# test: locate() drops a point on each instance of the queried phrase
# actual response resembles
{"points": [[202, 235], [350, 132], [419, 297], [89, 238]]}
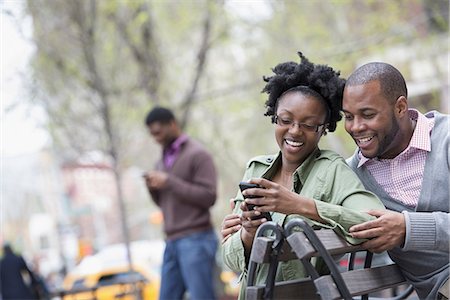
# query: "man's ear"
{"points": [[401, 107]]}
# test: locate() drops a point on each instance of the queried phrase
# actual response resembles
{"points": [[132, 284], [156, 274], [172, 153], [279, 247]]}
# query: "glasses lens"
{"points": [[307, 127]]}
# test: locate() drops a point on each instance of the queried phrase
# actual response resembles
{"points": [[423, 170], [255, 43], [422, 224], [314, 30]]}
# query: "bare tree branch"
{"points": [[201, 61], [146, 55]]}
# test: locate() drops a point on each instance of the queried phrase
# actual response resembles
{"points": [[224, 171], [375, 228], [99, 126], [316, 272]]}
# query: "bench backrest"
{"points": [[325, 243]]}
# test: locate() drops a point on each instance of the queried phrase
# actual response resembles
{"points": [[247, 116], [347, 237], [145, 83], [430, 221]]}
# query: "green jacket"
{"points": [[340, 197]]}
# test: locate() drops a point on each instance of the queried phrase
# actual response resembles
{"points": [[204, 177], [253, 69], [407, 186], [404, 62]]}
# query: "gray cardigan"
{"points": [[424, 258]]}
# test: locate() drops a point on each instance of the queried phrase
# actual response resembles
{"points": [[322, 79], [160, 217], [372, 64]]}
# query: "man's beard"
{"points": [[389, 138]]}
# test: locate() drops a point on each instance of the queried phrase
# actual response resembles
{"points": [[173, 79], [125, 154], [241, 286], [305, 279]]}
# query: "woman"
{"points": [[301, 181]]}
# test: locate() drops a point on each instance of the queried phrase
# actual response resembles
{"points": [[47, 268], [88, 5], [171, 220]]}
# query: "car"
{"points": [[107, 274], [112, 283]]}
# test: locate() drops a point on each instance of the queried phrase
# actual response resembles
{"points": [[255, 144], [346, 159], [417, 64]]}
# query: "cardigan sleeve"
{"points": [[427, 231]]}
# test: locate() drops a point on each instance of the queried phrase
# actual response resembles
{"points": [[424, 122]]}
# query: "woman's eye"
{"points": [[348, 117], [308, 126], [286, 121]]}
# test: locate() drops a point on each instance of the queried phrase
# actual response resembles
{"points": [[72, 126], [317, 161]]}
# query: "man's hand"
{"points": [[384, 233], [156, 180]]}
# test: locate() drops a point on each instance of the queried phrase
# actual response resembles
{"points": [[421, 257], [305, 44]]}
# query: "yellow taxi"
{"points": [[112, 283]]}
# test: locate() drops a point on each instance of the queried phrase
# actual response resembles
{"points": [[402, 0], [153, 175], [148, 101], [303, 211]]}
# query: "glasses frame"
{"points": [[306, 127]]}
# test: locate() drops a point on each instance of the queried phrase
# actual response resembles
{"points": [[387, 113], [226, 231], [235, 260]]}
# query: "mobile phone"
{"points": [[246, 185]]}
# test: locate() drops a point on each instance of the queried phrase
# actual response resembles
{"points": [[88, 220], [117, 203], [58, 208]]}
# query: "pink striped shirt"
{"points": [[401, 177]]}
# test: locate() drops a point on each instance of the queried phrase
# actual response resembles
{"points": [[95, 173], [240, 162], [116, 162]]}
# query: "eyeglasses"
{"points": [[289, 123]]}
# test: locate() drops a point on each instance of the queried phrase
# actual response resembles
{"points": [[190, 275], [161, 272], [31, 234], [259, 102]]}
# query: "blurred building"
{"points": [[56, 213], [93, 207], [31, 208], [90, 202]]}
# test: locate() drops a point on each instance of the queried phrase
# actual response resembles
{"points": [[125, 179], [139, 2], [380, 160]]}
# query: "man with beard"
{"points": [[403, 157]]}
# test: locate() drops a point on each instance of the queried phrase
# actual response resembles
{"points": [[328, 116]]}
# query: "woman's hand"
{"points": [[231, 224], [249, 226], [275, 197]]}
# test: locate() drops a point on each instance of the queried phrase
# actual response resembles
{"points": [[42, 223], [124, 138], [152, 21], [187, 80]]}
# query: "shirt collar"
{"points": [[420, 138], [305, 168], [177, 143], [301, 172]]}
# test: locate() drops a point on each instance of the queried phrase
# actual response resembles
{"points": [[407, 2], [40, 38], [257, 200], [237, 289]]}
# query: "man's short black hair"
{"points": [[392, 82], [159, 114]]}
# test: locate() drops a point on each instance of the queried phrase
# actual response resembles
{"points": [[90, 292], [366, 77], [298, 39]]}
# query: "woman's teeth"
{"points": [[294, 143]]}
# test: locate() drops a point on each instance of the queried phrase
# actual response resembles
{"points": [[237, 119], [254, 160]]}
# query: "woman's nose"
{"points": [[295, 128]]}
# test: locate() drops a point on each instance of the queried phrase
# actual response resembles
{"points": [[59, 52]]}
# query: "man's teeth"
{"points": [[293, 143], [365, 140]]}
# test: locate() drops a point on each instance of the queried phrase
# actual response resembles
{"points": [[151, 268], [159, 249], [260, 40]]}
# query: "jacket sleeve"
{"points": [[233, 253], [344, 201], [200, 190], [232, 249]]}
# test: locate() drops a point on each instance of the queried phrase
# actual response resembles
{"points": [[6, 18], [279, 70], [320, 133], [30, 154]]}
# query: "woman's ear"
{"points": [[324, 130]]}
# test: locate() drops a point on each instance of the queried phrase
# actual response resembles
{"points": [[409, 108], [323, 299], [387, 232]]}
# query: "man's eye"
{"points": [[368, 116], [348, 117]]}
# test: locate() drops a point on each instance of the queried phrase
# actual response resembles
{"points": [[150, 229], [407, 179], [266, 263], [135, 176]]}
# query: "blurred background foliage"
{"points": [[99, 66]]}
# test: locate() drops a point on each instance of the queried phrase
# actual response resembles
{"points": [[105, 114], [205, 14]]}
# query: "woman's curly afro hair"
{"points": [[320, 79]]}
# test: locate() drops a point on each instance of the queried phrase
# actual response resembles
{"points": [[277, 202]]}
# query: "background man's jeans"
{"points": [[189, 264]]}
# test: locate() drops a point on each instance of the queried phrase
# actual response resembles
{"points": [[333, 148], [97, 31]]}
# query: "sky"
{"points": [[20, 132]]}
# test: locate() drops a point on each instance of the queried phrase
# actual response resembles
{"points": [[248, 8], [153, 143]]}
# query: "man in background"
{"points": [[403, 157], [183, 185], [13, 271]]}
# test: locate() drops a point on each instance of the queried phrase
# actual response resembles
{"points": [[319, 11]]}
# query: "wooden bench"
{"points": [[287, 244]]}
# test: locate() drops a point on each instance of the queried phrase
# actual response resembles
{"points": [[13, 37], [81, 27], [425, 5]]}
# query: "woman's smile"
{"points": [[292, 145]]}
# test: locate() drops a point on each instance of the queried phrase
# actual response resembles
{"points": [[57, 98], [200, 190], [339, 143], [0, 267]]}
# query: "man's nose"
{"points": [[358, 125]]}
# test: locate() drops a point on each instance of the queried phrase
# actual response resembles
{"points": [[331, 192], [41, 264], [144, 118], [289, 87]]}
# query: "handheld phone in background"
{"points": [[246, 185]]}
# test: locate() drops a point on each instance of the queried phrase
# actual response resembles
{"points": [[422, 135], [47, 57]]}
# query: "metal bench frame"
{"points": [[305, 243]]}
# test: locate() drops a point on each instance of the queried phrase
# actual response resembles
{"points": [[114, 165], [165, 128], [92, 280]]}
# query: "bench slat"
{"points": [[332, 242], [291, 289], [261, 249], [362, 281]]}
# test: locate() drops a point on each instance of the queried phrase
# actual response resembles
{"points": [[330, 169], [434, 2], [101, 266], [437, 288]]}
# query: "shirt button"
{"points": [[269, 159]]}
